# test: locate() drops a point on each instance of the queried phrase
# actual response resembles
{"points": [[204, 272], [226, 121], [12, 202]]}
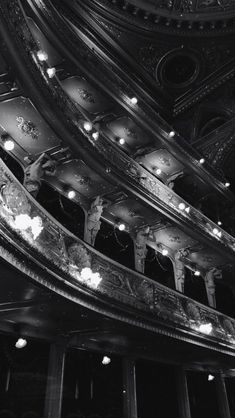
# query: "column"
{"points": [[182, 392], [222, 398], [129, 389], [54, 390]]}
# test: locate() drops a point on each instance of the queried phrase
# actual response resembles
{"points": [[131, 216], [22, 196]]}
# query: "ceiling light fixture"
{"points": [[71, 194], [42, 55], [9, 145], [87, 126], [106, 360], [134, 100], [51, 72], [121, 141], [121, 227], [95, 135], [21, 343]]}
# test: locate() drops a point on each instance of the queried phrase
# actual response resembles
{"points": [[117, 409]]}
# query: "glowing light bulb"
{"points": [[134, 100], [121, 141], [210, 377], [95, 135], [71, 194], [171, 134], [9, 145], [42, 55], [121, 227], [106, 360], [87, 126], [158, 171], [205, 328], [202, 160], [227, 184], [219, 223], [197, 273], [164, 252], [51, 72], [215, 231], [187, 209], [181, 206], [21, 343]]}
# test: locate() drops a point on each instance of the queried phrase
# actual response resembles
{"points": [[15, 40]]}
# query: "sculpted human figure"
{"points": [[141, 249], [179, 269], [34, 173], [210, 285], [92, 225]]}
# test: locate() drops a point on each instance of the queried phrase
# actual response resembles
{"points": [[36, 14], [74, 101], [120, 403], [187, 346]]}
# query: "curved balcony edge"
{"points": [[38, 246]]}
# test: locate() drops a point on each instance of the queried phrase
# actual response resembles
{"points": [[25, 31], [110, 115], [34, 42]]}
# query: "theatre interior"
{"points": [[117, 209]]}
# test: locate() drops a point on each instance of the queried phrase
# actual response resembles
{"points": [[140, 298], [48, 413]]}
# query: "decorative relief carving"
{"points": [[86, 95], [27, 127]]}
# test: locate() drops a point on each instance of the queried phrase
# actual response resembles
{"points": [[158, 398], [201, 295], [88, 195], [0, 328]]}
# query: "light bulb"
{"points": [[9, 145], [158, 171], [71, 194], [51, 72], [197, 273], [121, 227], [42, 55], [219, 223], [210, 377], [87, 126], [187, 209], [122, 141], [106, 360], [21, 343], [181, 206], [171, 134], [202, 160], [164, 252], [227, 184], [95, 135], [205, 328], [134, 100], [215, 231]]}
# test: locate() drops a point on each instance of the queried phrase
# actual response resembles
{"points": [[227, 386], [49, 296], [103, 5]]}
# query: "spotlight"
{"points": [[181, 206], [134, 100], [121, 227], [202, 160], [87, 126], [197, 273], [164, 252], [21, 343], [42, 55], [210, 377], [171, 134], [121, 141], [51, 72], [106, 360], [9, 145], [95, 135], [71, 194], [227, 184]]}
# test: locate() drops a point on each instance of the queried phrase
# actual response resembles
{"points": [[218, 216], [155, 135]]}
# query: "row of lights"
{"points": [[42, 56]]}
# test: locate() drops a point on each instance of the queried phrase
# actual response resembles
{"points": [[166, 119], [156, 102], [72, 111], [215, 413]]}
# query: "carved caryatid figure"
{"points": [[209, 279], [92, 224], [141, 248], [34, 173], [179, 269]]}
